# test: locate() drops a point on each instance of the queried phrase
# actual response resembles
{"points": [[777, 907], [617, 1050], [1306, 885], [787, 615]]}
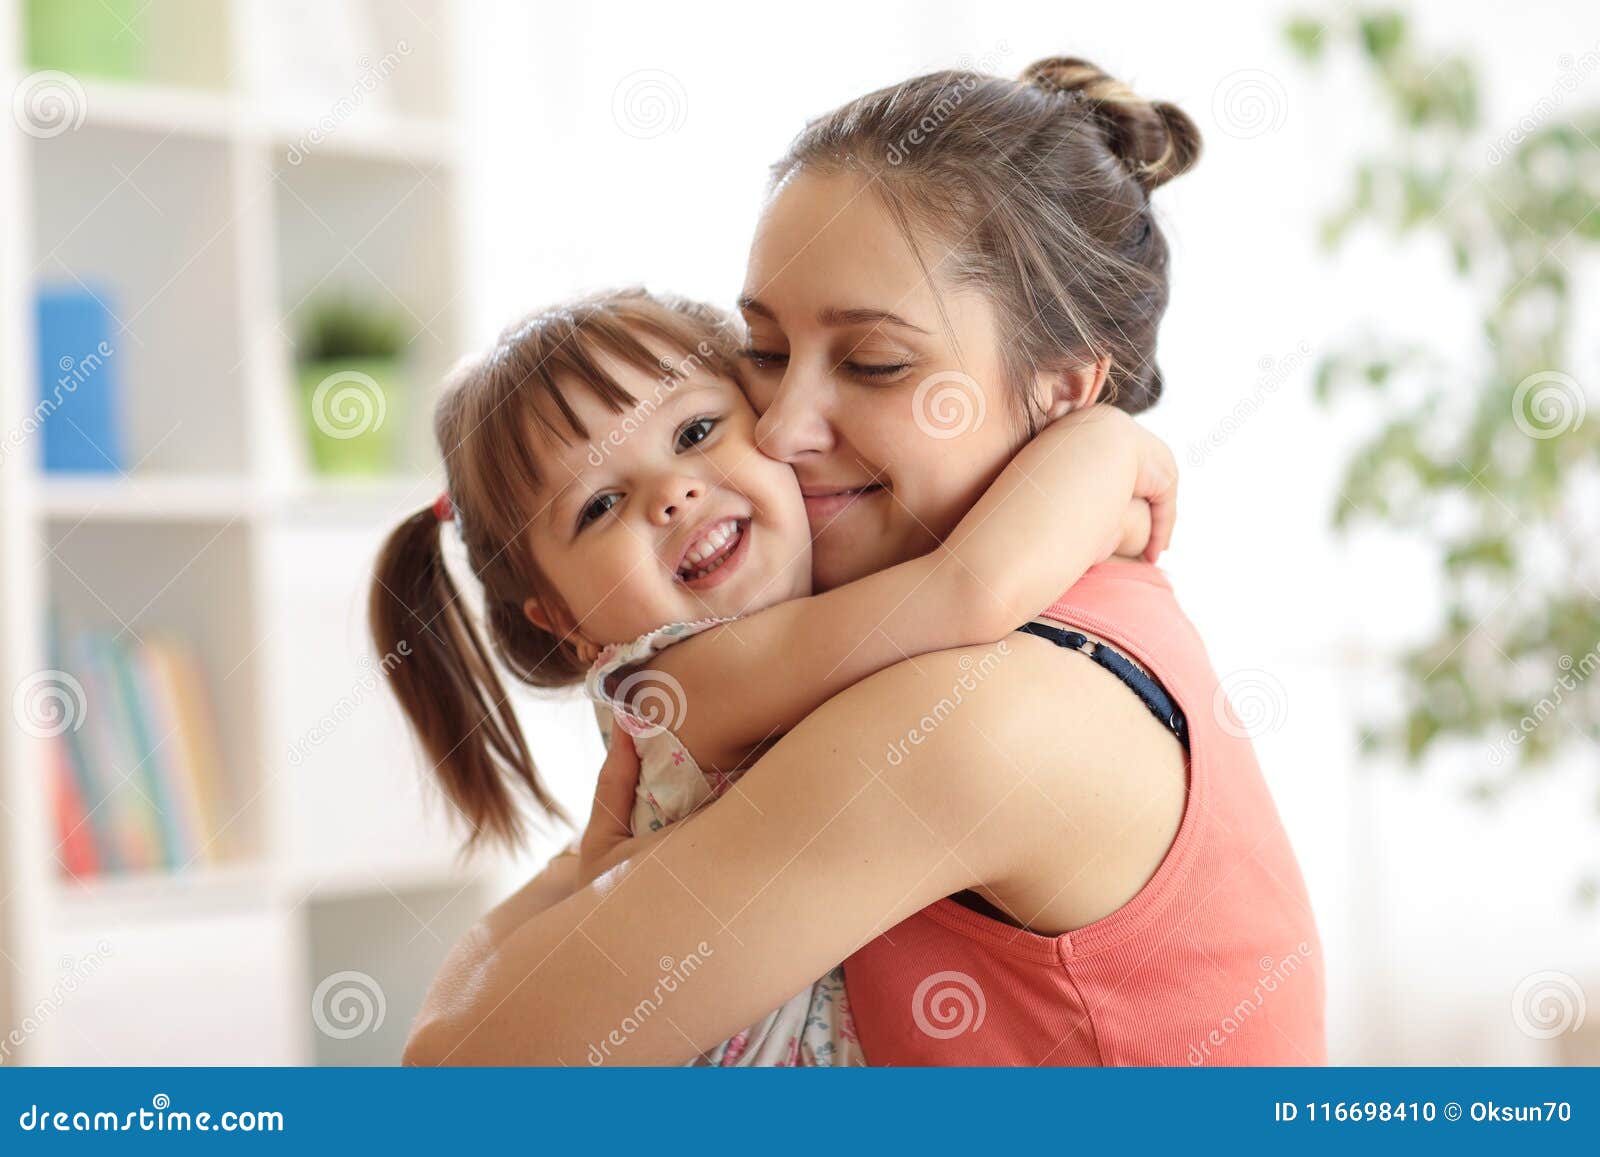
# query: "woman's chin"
{"points": [[840, 559]]}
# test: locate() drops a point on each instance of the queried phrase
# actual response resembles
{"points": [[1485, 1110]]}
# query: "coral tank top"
{"points": [[1215, 961]]}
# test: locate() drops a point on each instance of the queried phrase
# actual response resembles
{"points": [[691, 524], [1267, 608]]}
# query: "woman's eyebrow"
{"points": [[840, 317], [834, 316]]}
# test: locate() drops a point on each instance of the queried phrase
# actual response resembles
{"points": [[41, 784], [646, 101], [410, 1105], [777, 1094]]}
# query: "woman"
{"points": [[1079, 863]]}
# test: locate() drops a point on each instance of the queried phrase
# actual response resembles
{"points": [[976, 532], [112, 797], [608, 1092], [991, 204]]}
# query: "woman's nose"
{"points": [[674, 497], [797, 423]]}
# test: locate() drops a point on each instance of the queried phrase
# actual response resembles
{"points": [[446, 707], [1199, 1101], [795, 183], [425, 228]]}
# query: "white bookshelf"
{"points": [[194, 201]]}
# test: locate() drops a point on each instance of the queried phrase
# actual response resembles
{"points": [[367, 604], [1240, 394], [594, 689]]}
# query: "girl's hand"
{"points": [[610, 825], [1157, 484]]}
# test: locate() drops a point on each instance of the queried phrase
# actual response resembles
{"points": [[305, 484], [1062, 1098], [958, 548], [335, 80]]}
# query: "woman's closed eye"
{"points": [[763, 359], [876, 371]]}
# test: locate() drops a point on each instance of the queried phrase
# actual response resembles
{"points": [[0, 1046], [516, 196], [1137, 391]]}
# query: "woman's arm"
{"points": [[727, 915], [1059, 507]]}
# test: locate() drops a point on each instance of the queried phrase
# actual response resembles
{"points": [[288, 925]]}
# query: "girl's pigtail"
{"points": [[447, 685]]}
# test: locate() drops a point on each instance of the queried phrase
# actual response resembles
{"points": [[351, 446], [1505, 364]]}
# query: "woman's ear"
{"points": [[1059, 392], [537, 614]]}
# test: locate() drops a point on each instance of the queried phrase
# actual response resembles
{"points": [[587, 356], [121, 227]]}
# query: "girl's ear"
{"points": [[1059, 392], [539, 616], [533, 611]]}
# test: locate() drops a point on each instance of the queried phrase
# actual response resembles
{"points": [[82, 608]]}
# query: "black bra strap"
{"points": [[1150, 693]]}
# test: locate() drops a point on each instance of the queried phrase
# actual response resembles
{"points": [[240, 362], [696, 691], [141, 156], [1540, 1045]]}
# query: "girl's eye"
{"points": [[695, 433], [597, 506], [763, 361]]}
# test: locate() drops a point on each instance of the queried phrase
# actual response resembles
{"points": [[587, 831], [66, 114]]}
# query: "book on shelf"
{"points": [[137, 780], [79, 381]]}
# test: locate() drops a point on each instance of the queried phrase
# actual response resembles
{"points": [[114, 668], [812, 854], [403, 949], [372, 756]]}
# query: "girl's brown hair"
{"points": [[492, 409], [1043, 186]]}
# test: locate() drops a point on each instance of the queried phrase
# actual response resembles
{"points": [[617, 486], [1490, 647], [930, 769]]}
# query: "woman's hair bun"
{"points": [[1154, 140]]}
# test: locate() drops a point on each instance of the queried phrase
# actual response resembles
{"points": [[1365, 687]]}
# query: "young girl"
{"points": [[604, 476]]}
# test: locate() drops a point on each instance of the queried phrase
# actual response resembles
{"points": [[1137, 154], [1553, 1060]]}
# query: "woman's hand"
{"points": [[608, 839]]}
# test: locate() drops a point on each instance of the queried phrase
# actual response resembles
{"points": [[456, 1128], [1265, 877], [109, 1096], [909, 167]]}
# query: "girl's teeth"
{"points": [[714, 542]]}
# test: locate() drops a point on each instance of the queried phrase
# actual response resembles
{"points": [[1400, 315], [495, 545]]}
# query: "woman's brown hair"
{"points": [[492, 410], [1043, 186]]}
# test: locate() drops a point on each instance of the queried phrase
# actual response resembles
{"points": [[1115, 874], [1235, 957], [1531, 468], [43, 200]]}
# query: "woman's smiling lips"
{"points": [[824, 503]]}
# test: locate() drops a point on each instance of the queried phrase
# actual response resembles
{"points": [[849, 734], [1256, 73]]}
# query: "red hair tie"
{"points": [[443, 509]]}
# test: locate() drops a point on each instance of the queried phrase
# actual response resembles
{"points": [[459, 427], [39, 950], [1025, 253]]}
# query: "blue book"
{"points": [[79, 393]]}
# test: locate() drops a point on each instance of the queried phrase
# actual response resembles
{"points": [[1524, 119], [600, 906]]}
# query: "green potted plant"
{"points": [[352, 385], [101, 38]]}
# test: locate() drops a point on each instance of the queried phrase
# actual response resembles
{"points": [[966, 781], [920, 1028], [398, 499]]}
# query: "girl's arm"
{"points": [[821, 846], [1058, 508]]}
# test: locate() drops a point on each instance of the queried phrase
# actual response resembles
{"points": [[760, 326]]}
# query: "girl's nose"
{"points": [[798, 421], [674, 498]]}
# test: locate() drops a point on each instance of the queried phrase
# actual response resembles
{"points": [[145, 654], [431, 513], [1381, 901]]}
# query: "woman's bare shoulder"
{"points": [[1073, 778]]}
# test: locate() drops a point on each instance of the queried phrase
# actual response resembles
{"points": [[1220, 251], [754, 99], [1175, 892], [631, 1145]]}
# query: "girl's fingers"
{"points": [[610, 818], [1163, 516]]}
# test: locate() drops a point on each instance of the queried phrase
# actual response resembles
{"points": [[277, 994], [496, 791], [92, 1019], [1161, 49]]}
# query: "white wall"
{"points": [[1432, 909]]}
